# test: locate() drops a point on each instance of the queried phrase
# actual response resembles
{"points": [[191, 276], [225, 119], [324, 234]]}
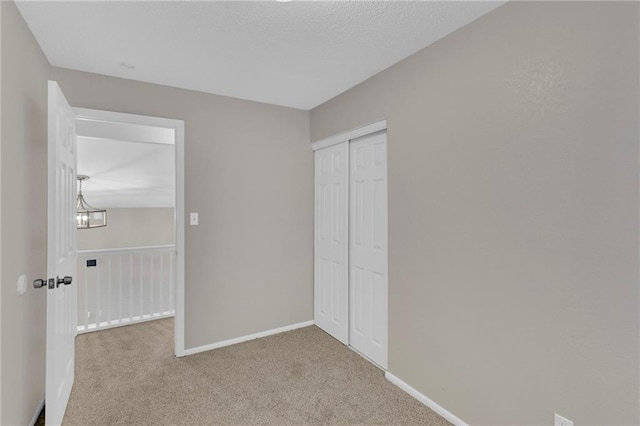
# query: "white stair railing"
{"points": [[124, 286]]}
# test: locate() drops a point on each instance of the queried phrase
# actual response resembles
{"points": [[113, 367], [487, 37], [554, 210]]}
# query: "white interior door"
{"points": [[61, 255], [368, 280], [331, 285]]}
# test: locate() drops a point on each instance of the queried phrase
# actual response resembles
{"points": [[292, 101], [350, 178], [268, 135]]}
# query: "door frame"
{"points": [[350, 134], [179, 217]]}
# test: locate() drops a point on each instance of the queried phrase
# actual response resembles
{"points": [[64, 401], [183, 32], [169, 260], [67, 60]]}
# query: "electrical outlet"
{"points": [[558, 420], [194, 219]]}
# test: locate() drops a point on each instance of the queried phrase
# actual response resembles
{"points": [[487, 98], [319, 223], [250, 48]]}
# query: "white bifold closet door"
{"points": [[331, 276], [368, 279]]}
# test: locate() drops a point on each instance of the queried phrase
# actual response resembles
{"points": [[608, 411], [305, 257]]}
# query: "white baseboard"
{"points": [[450, 417], [34, 419], [246, 338]]}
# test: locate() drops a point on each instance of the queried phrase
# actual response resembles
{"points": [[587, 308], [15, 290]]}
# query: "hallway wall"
{"points": [[131, 227], [24, 216]]}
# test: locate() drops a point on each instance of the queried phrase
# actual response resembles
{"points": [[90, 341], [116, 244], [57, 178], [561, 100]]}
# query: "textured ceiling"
{"points": [[296, 54]]}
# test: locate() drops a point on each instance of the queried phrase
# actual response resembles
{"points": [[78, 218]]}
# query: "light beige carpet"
{"points": [[129, 376]]}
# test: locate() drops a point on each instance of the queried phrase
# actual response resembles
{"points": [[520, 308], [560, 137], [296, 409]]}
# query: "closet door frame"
{"points": [[350, 135]]}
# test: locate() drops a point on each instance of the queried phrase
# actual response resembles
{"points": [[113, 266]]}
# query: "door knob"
{"points": [[39, 283], [66, 281]]}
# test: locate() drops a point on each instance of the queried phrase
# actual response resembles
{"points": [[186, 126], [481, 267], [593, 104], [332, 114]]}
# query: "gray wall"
{"points": [[130, 227], [24, 216], [513, 213], [249, 174]]}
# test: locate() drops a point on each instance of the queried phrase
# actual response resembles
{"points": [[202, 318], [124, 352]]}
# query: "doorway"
{"points": [[132, 269], [64, 219]]}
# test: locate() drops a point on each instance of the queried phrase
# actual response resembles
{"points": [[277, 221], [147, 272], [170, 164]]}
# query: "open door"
{"points": [[61, 255]]}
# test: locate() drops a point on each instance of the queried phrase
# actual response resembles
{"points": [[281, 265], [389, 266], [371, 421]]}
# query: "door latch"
{"points": [[52, 283]]}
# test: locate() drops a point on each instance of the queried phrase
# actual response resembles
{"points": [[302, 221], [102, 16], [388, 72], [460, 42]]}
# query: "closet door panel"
{"points": [[331, 284], [368, 248]]}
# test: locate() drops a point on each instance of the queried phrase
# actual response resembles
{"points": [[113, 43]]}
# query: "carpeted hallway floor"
{"points": [[129, 376]]}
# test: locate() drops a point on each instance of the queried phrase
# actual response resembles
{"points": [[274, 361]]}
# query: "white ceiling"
{"points": [[125, 173], [297, 54]]}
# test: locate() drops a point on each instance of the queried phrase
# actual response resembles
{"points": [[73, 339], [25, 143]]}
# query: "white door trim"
{"points": [[178, 126], [350, 134]]}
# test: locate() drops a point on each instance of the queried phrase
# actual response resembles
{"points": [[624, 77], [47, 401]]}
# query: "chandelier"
{"points": [[88, 217]]}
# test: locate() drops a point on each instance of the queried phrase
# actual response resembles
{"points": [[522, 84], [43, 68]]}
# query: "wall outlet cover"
{"points": [[194, 219]]}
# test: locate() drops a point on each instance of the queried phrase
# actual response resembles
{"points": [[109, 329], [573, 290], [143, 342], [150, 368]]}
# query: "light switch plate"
{"points": [[22, 285], [558, 420], [193, 219]]}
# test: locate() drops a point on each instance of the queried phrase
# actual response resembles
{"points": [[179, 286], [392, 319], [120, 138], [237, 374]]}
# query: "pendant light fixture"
{"points": [[88, 217]]}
